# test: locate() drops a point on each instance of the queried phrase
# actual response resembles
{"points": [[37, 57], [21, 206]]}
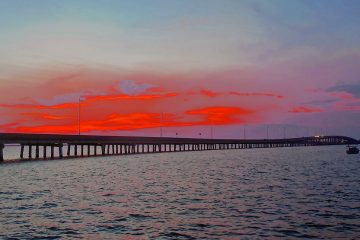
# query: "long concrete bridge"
{"points": [[50, 146]]}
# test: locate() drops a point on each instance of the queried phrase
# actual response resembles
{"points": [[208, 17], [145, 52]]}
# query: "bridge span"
{"points": [[51, 146]]}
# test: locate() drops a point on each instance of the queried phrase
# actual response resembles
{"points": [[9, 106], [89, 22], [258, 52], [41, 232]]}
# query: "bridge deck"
{"points": [[90, 145]]}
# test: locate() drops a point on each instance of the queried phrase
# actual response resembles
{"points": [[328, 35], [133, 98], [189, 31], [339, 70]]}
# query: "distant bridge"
{"points": [[51, 146]]}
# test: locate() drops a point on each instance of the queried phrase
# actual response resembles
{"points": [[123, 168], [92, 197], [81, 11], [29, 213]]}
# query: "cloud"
{"points": [[215, 115], [68, 97], [130, 87], [38, 106], [209, 93], [302, 109], [212, 94], [353, 104], [127, 97], [257, 94], [321, 102], [222, 114], [353, 89], [43, 116]]}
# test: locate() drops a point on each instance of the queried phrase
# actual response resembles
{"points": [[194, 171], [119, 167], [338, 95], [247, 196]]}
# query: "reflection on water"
{"points": [[266, 193]]}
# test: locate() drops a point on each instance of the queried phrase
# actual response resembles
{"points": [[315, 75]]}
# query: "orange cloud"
{"points": [[302, 109], [141, 120]]}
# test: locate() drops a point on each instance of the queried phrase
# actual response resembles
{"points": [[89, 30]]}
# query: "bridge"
{"points": [[51, 146]]}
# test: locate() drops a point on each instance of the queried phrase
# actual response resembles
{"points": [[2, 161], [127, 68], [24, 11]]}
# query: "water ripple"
{"points": [[291, 193]]}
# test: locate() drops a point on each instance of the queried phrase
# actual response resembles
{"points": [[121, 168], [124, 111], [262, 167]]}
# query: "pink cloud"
{"points": [[301, 109]]}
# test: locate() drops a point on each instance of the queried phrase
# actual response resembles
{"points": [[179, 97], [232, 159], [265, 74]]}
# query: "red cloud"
{"points": [[209, 93], [43, 116], [91, 99], [302, 109], [221, 115], [343, 95], [140, 120]]}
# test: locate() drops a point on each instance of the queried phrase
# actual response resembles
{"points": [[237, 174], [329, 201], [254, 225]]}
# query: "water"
{"points": [[311, 192]]}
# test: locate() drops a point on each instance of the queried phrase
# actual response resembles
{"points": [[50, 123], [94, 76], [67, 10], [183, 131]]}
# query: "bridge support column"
{"points": [[102, 149], [37, 151], [2, 146], [52, 151], [76, 149], [61, 150], [21, 151], [30, 151], [44, 151]]}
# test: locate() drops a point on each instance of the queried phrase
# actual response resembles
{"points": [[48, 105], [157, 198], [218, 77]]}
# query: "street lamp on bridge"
{"points": [[79, 116]]}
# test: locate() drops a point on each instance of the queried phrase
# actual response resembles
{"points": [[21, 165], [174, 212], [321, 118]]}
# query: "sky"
{"points": [[189, 68]]}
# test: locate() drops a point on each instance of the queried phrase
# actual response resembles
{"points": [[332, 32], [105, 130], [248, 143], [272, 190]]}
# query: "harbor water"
{"points": [[291, 193]]}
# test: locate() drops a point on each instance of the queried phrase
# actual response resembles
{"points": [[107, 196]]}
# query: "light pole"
{"points": [[267, 131], [79, 119]]}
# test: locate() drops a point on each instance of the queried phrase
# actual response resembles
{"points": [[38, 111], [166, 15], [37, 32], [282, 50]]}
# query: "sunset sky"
{"points": [[292, 67]]}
